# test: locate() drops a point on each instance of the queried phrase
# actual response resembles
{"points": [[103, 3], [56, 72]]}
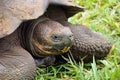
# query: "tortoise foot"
{"points": [[45, 61]]}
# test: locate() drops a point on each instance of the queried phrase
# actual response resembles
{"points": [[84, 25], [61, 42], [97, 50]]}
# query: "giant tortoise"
{"points": [[35, 38], [16, 62], [38, 38]]}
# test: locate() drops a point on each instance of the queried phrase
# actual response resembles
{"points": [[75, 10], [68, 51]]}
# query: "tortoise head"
{"points": [[51, 38]]}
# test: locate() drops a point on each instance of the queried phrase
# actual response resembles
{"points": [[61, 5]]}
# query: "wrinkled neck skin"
{"points": [[26, 32]]}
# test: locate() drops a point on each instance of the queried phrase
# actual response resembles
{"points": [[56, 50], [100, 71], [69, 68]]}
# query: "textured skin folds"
{"points": [[88, 44]]}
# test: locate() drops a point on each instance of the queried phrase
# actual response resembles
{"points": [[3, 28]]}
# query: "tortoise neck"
{"points": [[27, 32]]}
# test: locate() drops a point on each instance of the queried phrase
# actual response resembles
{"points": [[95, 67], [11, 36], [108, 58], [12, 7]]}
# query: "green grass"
{"points": [[101, 16]]}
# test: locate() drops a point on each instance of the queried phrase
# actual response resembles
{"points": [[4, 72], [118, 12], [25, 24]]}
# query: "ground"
{"points": [[101, 16]]}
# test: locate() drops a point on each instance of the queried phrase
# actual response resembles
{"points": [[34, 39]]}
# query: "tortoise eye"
{"points": [[55, 38]]}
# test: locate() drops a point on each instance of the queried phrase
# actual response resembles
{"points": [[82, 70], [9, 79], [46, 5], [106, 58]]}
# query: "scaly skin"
{"points": [[16, 63], [87, 43]]}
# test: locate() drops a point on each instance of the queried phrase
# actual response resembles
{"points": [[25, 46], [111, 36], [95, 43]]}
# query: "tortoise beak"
{"points": [[65, 46], [68, 42]]}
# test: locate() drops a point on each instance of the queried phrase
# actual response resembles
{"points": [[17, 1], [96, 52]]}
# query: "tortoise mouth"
{"points": [[43, 50], [64, 50], [49, 50], [61, 49]]}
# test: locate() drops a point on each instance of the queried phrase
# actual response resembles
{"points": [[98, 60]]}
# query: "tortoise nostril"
{"points": [[69, 40]]}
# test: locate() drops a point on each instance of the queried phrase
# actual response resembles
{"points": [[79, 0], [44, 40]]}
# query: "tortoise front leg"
{"points": [[41, 62], [16, 64]]}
